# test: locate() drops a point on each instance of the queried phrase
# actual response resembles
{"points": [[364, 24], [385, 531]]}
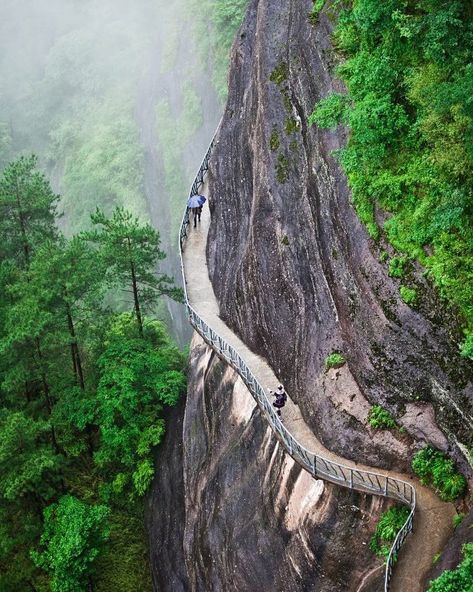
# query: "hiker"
{"points": [[197, 215], [281, 398]]}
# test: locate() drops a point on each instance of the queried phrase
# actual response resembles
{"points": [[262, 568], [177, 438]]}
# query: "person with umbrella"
{"points": [[195, 203]]}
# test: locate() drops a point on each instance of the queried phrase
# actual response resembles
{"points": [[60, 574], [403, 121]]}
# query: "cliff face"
{"points": [[297, 278], [294, 270], [230, 511]]}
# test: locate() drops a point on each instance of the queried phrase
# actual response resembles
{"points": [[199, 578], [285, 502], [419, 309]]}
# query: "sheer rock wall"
{"points": [[298, 278], [230, 511], [294, 270]]}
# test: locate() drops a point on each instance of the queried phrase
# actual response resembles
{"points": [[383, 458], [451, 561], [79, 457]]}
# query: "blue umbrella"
{"points": [[195, 201]]}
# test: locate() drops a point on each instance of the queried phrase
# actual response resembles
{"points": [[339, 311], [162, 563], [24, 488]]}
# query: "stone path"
{"points": [[433, 518]]}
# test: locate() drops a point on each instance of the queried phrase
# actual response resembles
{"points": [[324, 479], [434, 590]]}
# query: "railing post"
{"points": [[351, 478], [386, 486]]}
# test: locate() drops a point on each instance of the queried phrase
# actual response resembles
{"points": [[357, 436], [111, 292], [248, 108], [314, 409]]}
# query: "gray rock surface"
{"points": [[295, 273]]}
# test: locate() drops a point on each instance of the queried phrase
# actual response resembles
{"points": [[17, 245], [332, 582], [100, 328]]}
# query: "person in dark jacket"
{"points": [[281, 398], [197, 215]]}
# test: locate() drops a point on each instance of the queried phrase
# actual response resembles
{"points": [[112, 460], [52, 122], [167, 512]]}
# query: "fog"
{"points": [[115, 97]]}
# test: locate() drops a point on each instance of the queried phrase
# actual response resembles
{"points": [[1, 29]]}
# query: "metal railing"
{"points": [[317, 466]]}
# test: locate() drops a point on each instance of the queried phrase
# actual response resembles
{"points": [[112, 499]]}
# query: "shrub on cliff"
{"points": [[408, 70], [459, 579], [436, 469], [388, 526]]}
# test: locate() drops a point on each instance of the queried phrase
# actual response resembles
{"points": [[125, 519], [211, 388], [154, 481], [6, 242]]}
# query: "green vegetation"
{"points": [[73, 535], [397, 267], [314, 13], [458, 519], [459, 579], [216, 23], [408, 295], [282, 168], [292, 126], [334, 360], [387, 528], [408, 72], [436, 469], [274, 140], [280, 74], [174, 134], [84, 383], [380, 419]]}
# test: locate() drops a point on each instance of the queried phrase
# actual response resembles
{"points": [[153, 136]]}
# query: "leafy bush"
{"points": [[314, 13], [73, 535], [334, 360], [436, 469], [408, 295], [459, 579], [397, 266], [409, 78], [379, 418], [458, 519], [388, 526]]}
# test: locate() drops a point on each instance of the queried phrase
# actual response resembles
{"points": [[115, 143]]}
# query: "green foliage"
{"points": [[397, 267], [28, 463], [314, 13], [128, 542], [82, 388], [459, 579], [216, 23], [408, 295], [5, 146], [138, 377], [28, 209], [408, 75], [329, 113], [107, 163], [73, 535], [436, 469], [292, 126], [274, 140], [334, 360], [282, 169], [130, 252], [458, 519], [280, 73], [387, 528], [380, 419], [174, 132]]}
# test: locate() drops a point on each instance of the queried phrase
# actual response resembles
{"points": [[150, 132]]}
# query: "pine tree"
{"points": [[130, 251]]}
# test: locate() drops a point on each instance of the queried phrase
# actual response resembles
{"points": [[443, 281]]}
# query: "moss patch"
{"points": [[282, 169], [280, 73], [274, 140]]}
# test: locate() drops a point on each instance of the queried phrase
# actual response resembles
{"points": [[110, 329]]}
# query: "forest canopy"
{"points": [[86, 373], [408, 70]]}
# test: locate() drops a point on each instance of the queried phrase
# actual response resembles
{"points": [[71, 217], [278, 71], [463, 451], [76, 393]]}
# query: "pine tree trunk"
{"points": [[47, 393], [136, 299], [26, 248], [76, 360]]}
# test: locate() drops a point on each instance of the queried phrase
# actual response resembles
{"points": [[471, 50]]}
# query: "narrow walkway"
{"points": [[433, 518]]}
